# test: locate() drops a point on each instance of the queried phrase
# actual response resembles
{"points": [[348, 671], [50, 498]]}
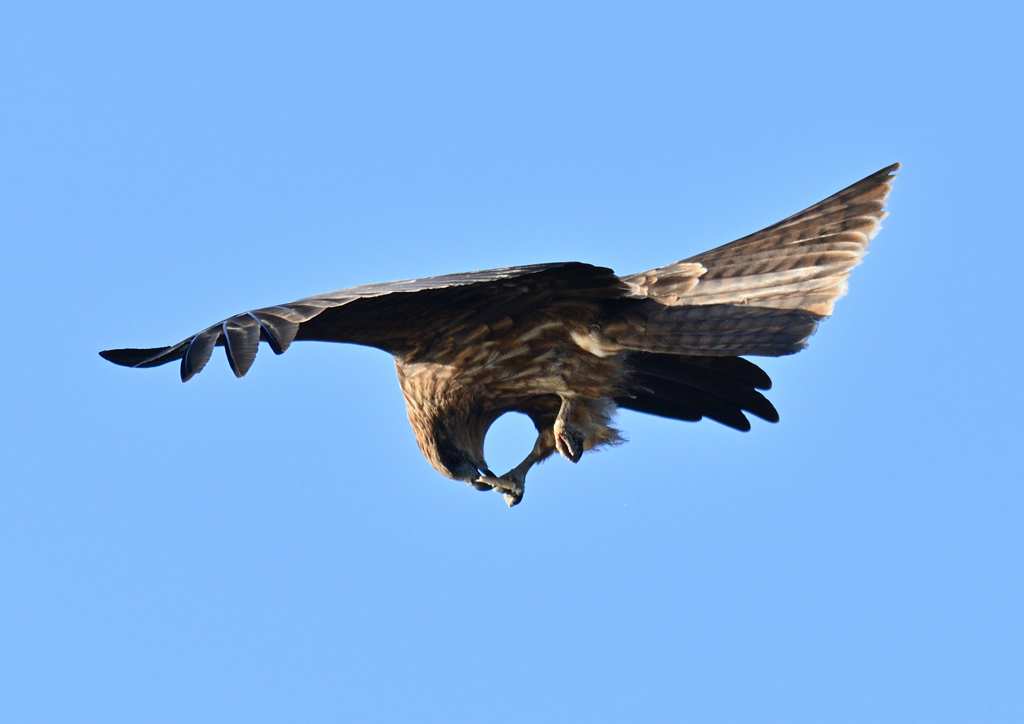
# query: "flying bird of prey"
{"points": [[569, 343]]}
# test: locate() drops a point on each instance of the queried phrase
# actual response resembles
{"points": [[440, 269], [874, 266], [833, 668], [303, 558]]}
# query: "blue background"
{"points": [[276, 549]]}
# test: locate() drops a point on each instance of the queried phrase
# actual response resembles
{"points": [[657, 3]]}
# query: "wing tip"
{"points": [[115, 356], [131, 357]]}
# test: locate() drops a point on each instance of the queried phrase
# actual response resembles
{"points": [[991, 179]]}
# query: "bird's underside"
{"points": [[569, 343]]}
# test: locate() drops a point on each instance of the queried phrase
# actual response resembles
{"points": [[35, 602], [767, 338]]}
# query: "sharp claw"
{"points": [[511, 487], [570, 446]]}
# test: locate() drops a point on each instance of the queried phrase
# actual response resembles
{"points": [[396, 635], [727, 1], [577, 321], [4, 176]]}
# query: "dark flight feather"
{"points": [[690, 388]]}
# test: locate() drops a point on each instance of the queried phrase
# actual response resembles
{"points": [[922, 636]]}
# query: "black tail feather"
{"points": [[690, 388]]}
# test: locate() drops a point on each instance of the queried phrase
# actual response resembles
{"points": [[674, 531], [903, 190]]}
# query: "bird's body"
{"points": [[569, 343], [530, 364]]}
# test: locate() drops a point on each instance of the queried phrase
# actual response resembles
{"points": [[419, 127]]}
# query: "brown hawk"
{"points": [[569, 343]]}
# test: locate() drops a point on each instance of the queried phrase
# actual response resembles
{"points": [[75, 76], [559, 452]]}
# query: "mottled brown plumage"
{"points": [[568, 343]]}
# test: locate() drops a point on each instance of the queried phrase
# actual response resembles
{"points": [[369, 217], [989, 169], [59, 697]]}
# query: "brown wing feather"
{"points": [[394, 316], [763, 294]]}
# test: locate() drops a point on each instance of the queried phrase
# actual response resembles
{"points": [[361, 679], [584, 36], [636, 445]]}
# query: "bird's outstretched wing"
{"points": [[763, 294], [394, 316]]}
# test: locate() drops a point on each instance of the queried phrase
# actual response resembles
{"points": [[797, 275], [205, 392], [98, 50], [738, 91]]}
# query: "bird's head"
{"points": [[454, 456], [449, 428], [456, 464]]}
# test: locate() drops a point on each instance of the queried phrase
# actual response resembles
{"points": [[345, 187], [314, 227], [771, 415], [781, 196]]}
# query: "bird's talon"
{"points": [[512, 488], [570, 445]]}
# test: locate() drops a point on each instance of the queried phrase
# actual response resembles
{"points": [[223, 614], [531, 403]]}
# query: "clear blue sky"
{"points": [[276, 549]]}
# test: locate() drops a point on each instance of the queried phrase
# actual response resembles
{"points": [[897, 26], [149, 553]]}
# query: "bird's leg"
{"points": [[569, 438], [513, 483]]}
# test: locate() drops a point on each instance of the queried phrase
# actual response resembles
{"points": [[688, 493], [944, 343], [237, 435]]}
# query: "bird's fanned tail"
{"points": [[691, 388]]}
